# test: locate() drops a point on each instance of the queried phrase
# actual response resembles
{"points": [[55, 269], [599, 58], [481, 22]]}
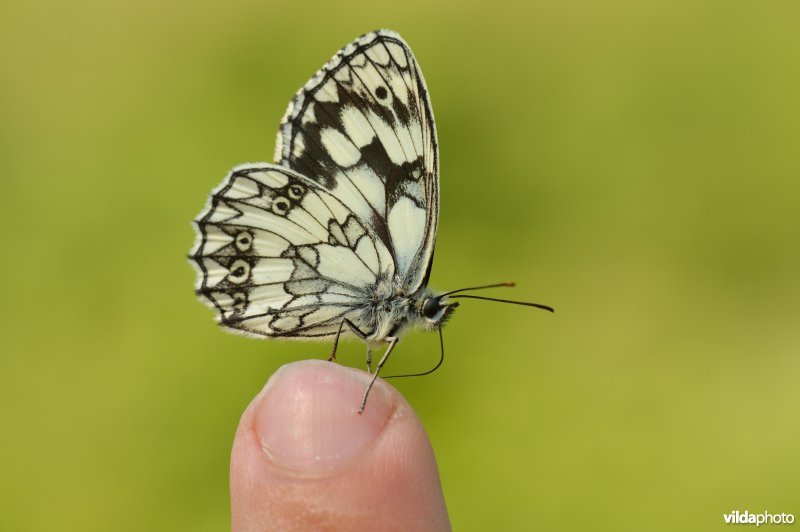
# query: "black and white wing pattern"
{"points": [[363, 128], [277, 255], [340, 230], [346, 218]]}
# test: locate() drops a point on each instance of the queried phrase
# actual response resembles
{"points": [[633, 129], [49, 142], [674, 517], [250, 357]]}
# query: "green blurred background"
{"points": [[634, 164]]}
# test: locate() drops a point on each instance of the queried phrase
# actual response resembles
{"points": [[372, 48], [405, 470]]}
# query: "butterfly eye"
{"points": [[430, 308], [280, 206], [296, 192]]}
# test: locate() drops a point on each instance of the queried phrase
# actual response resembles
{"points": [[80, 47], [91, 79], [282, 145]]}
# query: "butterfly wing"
{"points": [[363, 129], [278, 255]]}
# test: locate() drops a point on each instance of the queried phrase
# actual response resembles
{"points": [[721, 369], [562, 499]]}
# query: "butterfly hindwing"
{"points": [[363, 129], [278, 255]]}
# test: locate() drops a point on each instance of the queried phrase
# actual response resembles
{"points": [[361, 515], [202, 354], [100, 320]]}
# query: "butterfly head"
{"points": [[435, 310]]}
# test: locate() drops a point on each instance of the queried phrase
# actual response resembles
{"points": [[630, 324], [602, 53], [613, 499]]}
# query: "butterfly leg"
{"points": [[358, 332], [369, 359], [392, 342]]}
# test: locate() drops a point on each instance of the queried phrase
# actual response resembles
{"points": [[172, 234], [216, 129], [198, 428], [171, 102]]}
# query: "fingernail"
{"points": [[307, 417]]}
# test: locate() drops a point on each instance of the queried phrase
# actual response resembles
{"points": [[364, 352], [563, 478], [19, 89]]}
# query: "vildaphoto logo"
{"points": [[746, 518]]}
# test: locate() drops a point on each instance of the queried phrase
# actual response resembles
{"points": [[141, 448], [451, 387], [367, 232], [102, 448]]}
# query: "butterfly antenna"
{"points": [[441, 359], [525, 303], [496, 285]]}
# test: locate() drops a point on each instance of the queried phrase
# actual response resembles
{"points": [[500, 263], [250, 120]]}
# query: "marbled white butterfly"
{"points": [[337, 236]]}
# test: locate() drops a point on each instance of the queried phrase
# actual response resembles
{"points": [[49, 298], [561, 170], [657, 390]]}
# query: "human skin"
{"points": [[304, 459]]}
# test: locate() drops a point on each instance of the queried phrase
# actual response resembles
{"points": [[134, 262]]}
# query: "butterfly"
{"points": [[337, 236]]}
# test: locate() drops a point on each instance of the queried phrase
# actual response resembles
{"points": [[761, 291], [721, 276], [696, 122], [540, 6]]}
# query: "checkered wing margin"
{"points": [[363, 129]]}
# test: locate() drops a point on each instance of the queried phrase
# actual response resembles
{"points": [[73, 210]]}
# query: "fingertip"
{"points": [[309, 421], [304, 458]]}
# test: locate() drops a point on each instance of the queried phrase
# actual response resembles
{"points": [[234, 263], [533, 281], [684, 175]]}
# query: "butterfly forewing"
{"points": [[363, 129], [278, 255]]}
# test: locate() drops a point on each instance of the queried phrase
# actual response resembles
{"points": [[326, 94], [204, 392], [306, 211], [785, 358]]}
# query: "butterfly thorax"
{"points": [[390, 310], [393, 311]]}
